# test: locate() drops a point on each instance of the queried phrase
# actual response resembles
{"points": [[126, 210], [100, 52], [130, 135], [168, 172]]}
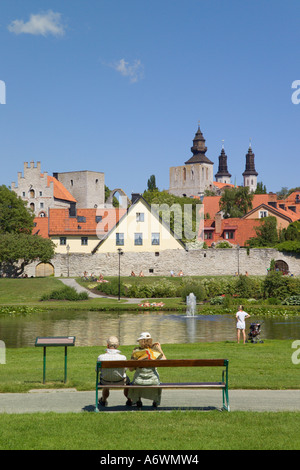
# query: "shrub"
{"points": [[279, 286], [194, 287], [112, 287], [219, 300], [247, 287], [163, 288], [223, 245], [293, 300], [66, 293]]}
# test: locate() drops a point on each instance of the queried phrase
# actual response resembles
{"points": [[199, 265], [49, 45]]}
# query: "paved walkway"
{"points": [[69, 400], [72, 283]]}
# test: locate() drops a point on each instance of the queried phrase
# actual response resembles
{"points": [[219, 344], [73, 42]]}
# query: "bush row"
{"points": [[66, 293], [274, 286]]}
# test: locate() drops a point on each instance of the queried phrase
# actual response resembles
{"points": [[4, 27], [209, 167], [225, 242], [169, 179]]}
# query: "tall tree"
{"points": [[15, 217], [236, 202], [151, 184], [18, 247], [261, 188], [267, 234]]}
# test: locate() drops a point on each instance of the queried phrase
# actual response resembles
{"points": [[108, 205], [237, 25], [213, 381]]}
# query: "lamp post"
{"points": [[120, 252], [238, 248], [68, 255]]}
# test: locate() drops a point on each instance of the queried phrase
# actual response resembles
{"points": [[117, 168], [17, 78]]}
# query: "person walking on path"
{"points": [[241, 324]]}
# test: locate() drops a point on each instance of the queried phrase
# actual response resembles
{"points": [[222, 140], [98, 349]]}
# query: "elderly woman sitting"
{"points": [[147, 350]]}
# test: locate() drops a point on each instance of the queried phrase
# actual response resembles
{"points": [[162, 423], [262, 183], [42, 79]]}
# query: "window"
{"points": [[23, 193], [98, 218], [229, 235], [263, 214], [208, 235], [63, 240], [41, 205], [138, 238], [84, 240], [119, 239], [41, 193], [155, 239], [81, 218], [140, 217]]}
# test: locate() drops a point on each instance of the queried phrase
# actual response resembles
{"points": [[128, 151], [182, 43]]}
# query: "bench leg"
{"points": [[226, 406]]}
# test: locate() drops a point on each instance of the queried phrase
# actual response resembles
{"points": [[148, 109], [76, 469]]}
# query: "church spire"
{"points": [[250, 174], [198, 149], [223, 175]]}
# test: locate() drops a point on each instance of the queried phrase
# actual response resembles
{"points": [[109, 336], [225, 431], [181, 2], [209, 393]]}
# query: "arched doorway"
{"points": [[281, 266], [44, 270]]}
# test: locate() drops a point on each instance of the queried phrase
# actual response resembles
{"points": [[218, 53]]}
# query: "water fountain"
{"points": [[190, 305]]}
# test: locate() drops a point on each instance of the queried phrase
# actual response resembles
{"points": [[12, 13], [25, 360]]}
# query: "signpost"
{"points": [[51, 341]]}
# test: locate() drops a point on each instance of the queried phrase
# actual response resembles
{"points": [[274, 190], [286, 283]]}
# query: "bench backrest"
{"points": [[164, 363]]}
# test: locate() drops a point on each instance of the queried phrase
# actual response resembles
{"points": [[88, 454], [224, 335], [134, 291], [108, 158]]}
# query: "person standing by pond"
{"points": [[241, 324]]}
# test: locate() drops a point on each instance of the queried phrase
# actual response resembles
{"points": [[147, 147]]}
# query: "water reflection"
{"points": [[93, 328]]}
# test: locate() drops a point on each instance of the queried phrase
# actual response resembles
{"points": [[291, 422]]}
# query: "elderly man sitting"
{"points": [[112, 376]]}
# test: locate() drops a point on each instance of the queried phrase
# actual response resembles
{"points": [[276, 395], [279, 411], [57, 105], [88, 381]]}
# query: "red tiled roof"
{"points": [[211, 205], [222, 185], [243, 230], [59, 191], [41, 227], [285, 213], [61, 224]]}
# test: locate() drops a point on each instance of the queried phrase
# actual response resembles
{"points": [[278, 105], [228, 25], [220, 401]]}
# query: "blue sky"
{"points": [[119, 87]]}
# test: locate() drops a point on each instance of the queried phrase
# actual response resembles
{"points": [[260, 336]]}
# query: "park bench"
{"points": [[223, 385]]}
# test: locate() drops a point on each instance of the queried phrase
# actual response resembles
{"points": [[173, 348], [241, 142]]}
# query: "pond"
{"points": [[93, 328]]}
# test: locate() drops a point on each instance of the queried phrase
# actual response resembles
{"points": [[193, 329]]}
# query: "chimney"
{"points": [[135, 197], [218, 222]]}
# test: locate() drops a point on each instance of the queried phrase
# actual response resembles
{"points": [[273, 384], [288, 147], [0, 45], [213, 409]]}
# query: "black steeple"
{"points": [[250, 165], [223, 168], [198, 150]]}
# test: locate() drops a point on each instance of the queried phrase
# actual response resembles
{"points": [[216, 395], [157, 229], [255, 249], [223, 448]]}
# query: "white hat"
{"points": [[144, 335]]}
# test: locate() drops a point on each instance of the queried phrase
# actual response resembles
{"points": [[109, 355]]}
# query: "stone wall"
{"points": [[193, 263]]}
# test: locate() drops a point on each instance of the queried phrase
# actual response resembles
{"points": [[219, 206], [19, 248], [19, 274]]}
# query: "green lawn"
{"points": [[175, 430], [251, 366]]}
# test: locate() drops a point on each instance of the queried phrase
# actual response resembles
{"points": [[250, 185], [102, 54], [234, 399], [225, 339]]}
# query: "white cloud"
{"points": [[41, 24], [135, 71]]}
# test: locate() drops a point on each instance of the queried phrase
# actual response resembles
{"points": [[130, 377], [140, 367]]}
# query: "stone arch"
{"points": [[125, 199], [282, 266], [44, 270]]}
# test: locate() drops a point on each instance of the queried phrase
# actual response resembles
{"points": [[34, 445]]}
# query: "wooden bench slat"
{"points": [[164, 363], [191, 385]]}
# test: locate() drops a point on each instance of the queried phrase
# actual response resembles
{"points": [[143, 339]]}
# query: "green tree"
{"points": [[236, 202], [267, 234], [283, 193], [19, 249], [261, 188], [180, 213], [151, 184], [15, 217]]}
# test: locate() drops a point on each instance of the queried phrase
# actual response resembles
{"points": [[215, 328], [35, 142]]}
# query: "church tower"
{"points": [[250, 174], [196, 175], [223, 175]]}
